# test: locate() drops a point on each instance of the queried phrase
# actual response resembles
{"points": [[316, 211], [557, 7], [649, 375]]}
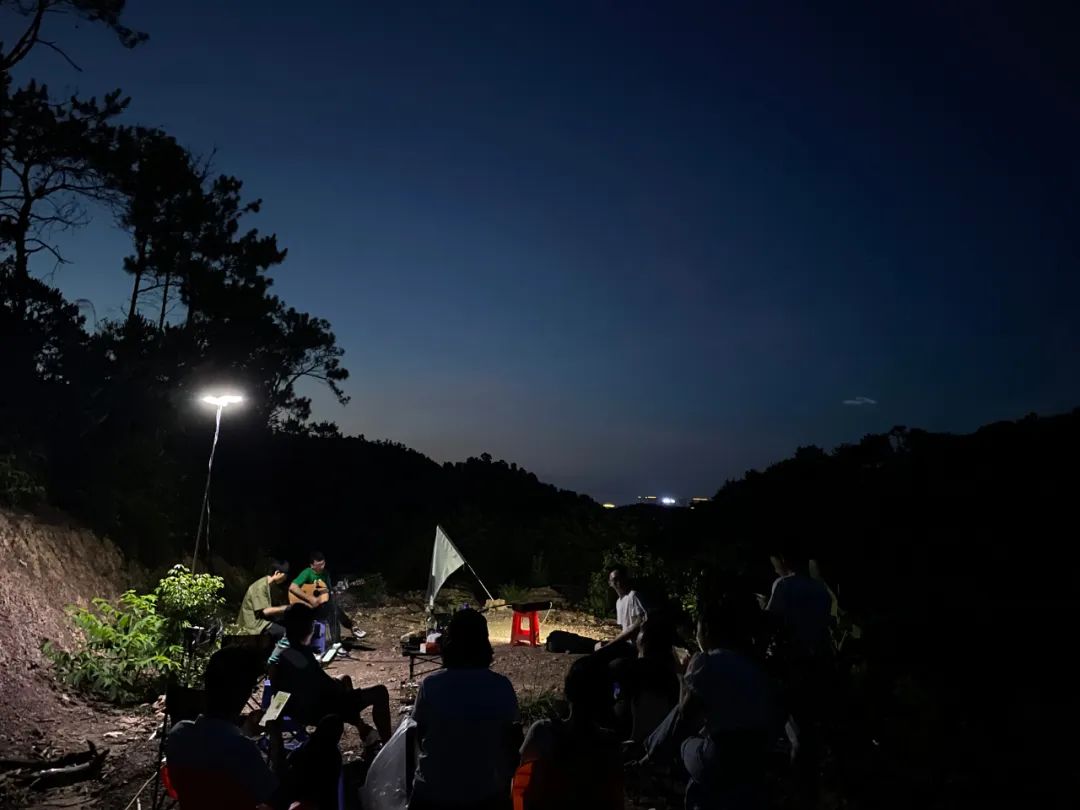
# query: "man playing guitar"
{"points": [[312, 587]]}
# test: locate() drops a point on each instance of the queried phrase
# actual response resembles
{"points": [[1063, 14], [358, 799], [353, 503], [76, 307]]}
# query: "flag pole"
{"points": [[482, 585]]}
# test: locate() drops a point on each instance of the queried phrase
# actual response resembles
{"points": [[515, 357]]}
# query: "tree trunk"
{"points": [[140, 266], [22, 230], [164, 302], [21, 278]]}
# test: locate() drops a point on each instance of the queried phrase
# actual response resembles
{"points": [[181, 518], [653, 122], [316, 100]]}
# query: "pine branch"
{"points": [[67, 58]]}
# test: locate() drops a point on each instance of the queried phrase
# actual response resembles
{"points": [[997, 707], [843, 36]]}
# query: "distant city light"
{"points": [[667, 500], [221, 400], [608, 505]]}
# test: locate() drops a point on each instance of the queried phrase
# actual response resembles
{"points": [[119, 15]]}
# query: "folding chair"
{"points": [[284, 734], [181, 703]]}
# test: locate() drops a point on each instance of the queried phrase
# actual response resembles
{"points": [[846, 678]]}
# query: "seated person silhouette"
{"points": [[648, 686], [574, 763], [630, 612], [466, 725], [313, 771], [314, 693], [258, 613], [727, 717], [211, 764]]}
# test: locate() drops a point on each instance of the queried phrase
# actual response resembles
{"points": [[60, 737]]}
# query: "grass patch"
{"points": [[545, 705]]}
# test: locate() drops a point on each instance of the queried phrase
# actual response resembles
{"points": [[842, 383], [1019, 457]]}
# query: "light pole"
{"points": [[221, 402]]}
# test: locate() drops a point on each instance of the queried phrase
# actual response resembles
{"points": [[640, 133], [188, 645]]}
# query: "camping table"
{"points": [[434, 659]]}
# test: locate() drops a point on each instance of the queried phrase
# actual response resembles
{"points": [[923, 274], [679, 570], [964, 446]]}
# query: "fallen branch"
{"points": [[56, 762], [58, 777], [60, 771]]}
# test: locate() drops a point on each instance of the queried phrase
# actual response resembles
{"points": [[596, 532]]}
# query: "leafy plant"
{"points": [[185, 599], [18, 487], [124, 658]]}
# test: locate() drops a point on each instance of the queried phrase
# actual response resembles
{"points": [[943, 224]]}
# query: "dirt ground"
{"points": [[66, 723]]}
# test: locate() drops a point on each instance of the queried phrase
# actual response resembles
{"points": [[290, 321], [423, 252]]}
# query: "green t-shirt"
{"points": [[256, 600], [310, 575]]}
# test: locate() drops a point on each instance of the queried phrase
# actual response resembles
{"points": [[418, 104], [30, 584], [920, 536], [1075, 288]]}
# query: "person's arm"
{"points": [[294, 589], [630, 633], [638, 616], [776, 597], [262, 604], [535, 743], [535, 754]]}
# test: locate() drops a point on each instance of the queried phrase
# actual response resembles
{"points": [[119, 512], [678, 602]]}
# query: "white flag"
{"points": [[445, 560]]}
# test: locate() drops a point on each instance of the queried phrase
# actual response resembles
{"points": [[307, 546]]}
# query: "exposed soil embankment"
{"points": [[44, 566]]}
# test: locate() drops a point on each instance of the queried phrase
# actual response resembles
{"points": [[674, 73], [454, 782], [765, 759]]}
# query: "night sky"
{"points": [[637, 248]]}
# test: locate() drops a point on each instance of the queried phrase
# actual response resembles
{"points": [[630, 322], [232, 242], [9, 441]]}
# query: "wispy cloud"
{"points": [[858, 402]]}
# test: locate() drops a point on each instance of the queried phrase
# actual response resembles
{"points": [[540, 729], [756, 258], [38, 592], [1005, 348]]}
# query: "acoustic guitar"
{"points": [[317, 590], [320, 592]]}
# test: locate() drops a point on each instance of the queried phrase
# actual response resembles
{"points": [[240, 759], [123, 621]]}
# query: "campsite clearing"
{"points": [[126, 733]]}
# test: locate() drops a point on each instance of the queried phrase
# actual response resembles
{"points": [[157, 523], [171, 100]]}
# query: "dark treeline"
{"points": [[373, 507]]}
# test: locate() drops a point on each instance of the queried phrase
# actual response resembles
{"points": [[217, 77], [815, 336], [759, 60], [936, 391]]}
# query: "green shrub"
{"points": [[545, 705], [647, 569], [373, 591], [18, 487], [512, 592], [187, 599], [124, 658], [539, 575]]}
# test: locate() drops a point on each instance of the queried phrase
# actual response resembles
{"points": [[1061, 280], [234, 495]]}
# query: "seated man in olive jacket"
{"points": [[258, 613]]}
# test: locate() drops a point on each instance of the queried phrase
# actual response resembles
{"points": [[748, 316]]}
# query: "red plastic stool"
{"points": [[530, 611]]}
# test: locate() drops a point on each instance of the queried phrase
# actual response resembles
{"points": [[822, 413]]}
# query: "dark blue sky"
{"points": [[638, 248]]}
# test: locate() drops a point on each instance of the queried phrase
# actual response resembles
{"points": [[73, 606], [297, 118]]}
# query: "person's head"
{"points": [[656, 638], [619, 580], [299, 623], [785, 559], [318, 562], [587, 688], [724, 624], [230, 675], [465, 644], [277, 571]]}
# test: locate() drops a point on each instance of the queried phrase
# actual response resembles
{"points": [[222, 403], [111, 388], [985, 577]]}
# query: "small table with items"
{"points": [[434, 659], [422, 647]]}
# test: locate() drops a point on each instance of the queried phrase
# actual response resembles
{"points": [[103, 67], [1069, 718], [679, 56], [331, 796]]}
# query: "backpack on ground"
{"points": [[559, 641]]}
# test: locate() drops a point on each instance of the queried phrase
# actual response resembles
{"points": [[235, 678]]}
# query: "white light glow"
{"points": [[667, 501], [222, 400]]}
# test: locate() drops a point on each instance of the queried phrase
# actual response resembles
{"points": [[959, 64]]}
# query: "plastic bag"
{"points": [[387, 783]]}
